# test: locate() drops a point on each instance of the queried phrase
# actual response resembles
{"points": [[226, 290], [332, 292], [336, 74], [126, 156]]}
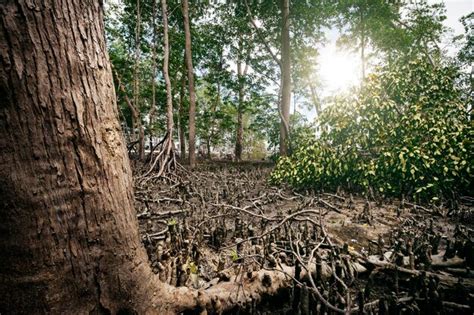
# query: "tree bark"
{"points": [[166, 58], [285, 78], [153, 75], [134, 111], [208, 147], [240, 128], [182, 131], [213, 129], [240, 106], [192, 93], [136, 88], [70, 242]]}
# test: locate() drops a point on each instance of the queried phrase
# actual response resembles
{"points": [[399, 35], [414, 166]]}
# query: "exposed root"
{"points": [[165, 161], [230, 241]]}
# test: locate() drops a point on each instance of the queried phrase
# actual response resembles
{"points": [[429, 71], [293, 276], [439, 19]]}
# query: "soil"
{"points": [[224, 220]]}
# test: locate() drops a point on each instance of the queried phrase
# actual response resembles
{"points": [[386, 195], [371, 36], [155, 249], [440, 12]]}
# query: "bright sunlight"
{"points": [[339, 70]]}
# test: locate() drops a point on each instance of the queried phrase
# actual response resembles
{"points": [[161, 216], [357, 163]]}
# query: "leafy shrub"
{"points": [[407, 131]]}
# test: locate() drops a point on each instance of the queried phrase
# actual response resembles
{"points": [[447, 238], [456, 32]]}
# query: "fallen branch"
{"points": [[445, 279]]}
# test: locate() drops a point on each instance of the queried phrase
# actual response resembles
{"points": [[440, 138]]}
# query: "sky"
{"points": [[341, 69]]}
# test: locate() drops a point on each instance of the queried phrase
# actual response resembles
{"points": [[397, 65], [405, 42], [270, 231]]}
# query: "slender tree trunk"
{"points": [[295, 105], [212, 127], [165, 160], [192, 93], [70, 242], [134, 111], [240, 126], [136, 87], [208, 144], [182, 131], [153, 75], [314, 98], [166, 58], [285, 78]]}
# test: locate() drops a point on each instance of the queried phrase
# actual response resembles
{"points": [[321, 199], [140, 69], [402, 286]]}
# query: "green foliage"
{"points": [[172, 222], [406, 132], [466, 53], [234, 256]]}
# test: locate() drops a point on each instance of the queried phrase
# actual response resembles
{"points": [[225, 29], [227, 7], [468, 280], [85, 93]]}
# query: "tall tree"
{"points": [[240, 126], [165, 160], [192, 93], [136, 87], [242, 68], [364, 25], [181, 114], [285, 77], [166, 61], [284, 64], [153, 72]]}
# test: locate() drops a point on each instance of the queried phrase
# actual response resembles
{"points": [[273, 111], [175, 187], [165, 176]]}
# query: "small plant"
{"points": [[172, 222], [234, 256]]}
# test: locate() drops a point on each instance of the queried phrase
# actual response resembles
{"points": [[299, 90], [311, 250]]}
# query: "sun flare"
{"points": [[339, 70]]}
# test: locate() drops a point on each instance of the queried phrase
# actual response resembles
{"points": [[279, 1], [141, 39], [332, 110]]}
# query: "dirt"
{"points": [[202, 227]]}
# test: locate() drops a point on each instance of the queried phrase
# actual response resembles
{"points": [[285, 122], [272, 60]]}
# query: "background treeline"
{"points": [[406, 129]]}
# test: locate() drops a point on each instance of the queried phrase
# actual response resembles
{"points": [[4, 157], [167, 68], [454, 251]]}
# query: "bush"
{"points": [[405, 132]]}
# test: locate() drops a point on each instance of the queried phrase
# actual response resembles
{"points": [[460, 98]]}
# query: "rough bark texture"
{"points": [[192, 93], [285, 78], [70, 242]]}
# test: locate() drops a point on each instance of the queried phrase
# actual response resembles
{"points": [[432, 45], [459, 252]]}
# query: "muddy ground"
{"points": [[224, 222]]}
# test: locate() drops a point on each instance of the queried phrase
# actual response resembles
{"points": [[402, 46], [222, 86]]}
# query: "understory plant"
{"points": [[406, 132]]}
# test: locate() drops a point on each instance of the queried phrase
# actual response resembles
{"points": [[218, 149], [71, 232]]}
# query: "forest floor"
{"points": [[224, 223]]}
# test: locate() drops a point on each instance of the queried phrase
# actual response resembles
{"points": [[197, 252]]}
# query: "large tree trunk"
{"points": [[192, 93], [70, 242], [285, 78]]}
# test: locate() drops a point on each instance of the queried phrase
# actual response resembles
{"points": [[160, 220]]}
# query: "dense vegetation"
{"points": [[406, 132]]}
